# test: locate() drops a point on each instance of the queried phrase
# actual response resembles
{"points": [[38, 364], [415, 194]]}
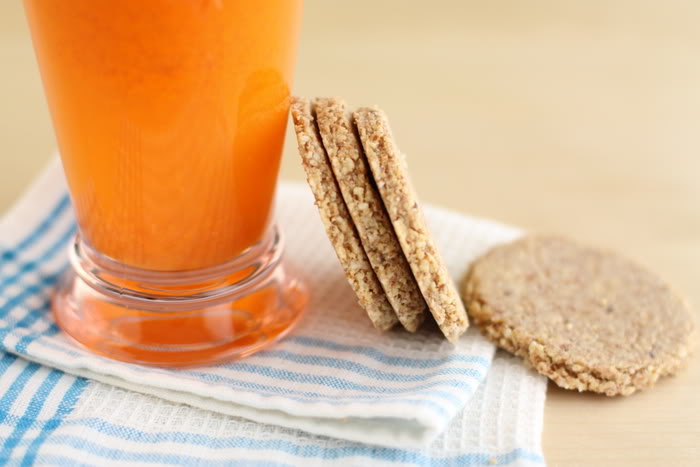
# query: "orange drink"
{"points": [[170, 118]]}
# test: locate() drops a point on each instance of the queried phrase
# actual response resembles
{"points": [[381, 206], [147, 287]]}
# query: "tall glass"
{"points": [[170, 118]]}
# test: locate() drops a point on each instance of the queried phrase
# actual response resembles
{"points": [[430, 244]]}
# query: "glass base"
{"points": [[179, 318]]}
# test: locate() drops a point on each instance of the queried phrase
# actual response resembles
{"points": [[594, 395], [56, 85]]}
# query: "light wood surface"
{"points": [[580, 117]]}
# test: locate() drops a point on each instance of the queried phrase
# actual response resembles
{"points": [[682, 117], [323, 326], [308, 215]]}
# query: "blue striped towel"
{"points": [[336, 389]]}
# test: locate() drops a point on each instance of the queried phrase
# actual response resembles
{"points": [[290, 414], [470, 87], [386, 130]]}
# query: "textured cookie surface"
{"points": [[336, 219], [391, 176], [585, 317], [367, 210]]}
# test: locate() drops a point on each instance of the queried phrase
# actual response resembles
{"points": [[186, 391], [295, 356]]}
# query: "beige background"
{"points": [[581, 117]]}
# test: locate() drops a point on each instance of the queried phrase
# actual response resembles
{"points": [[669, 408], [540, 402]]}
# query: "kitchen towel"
{"points": [[333, 384]]}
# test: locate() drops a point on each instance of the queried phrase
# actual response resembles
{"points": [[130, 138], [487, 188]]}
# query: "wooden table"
{"points": [[581, 117]]}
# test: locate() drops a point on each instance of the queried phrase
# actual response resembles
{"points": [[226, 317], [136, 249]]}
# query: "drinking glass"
{"points": [[170, 118]]}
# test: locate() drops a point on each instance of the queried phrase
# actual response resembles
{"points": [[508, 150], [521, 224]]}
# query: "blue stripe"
{"points": [[333, 363], [24, 341], [64, 408], [313, 397], [316, 360], [155, 457], [345, 384], [6, 362], [30, 290], [327, 361], [30, 337], [27, 267], [300, 450], [15, 389], [310, 397], [45, 280], [354, 367], [32, 316], [384, 358], [54, 459], [32, 412], [33, 237], [11, 420], [341, 399], [304, 450]]}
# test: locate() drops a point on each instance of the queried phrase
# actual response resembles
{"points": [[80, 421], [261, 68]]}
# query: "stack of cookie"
{"points": [[372, 217]]}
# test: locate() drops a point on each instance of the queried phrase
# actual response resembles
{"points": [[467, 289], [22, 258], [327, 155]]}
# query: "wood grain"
{"points": [[573, 116]]}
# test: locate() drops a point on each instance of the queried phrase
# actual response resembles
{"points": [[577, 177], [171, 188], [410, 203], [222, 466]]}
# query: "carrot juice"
{"points": [[170, 117]]}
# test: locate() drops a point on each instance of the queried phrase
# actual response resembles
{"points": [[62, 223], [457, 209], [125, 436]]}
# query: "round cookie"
{"points": [[336, 219], [391, 176], [586, 318], [367, 210]]}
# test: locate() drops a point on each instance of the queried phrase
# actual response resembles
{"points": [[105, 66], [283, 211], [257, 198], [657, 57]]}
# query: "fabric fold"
{"points": [[335, 376]]}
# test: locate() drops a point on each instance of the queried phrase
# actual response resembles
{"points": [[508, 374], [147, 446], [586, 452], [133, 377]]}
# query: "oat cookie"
{"points": [[585, 317], [367, 210], [336, 219], [391, 175]]}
